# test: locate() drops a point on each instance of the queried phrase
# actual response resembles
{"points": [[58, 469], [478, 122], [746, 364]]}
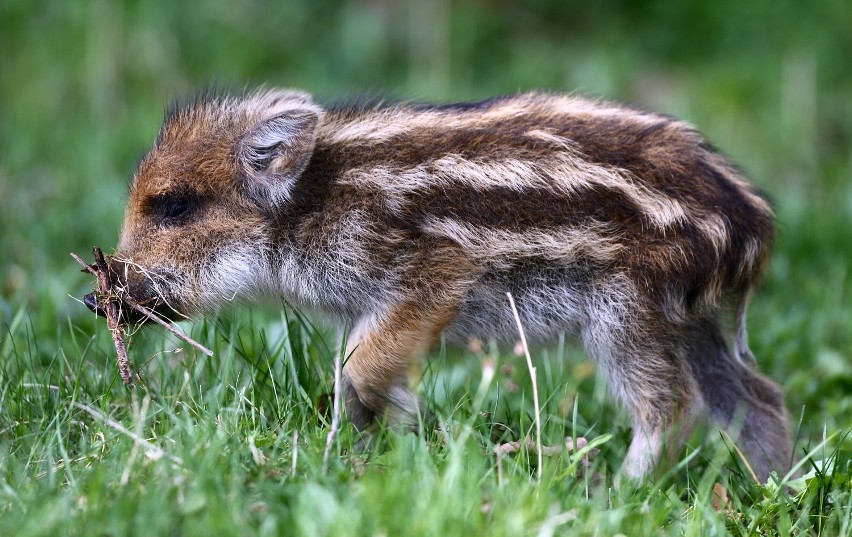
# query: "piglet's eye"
{"points": [[176, 209], [173, 208]]}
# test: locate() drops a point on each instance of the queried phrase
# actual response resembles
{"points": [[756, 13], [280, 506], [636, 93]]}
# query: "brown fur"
{"points": [[406, 220]]}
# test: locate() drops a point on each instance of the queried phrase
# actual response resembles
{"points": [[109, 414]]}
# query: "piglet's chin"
{"points": [[170, 309]]}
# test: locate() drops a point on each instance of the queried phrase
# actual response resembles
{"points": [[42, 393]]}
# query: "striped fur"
{"points": [[408, 220]]}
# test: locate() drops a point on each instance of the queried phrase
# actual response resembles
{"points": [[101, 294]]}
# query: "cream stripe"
{"points": [[563, 173], [401, 119], [500, 248]]}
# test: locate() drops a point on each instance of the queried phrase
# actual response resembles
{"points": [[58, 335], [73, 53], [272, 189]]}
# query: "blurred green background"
{"points": [[83, 85]]}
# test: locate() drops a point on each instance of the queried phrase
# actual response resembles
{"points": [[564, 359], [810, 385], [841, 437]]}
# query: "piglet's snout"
{"points": [[92, 302], [125, 290]]}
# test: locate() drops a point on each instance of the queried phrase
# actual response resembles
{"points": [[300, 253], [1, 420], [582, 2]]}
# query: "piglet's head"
{"points": [[196, 227]]}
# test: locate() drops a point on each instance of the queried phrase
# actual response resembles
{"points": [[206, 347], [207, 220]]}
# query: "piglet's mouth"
{"points": [[120, 309], [128, 311], [114, 300]]}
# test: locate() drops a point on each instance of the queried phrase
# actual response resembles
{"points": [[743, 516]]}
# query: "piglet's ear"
{"points": [[276, 151]]}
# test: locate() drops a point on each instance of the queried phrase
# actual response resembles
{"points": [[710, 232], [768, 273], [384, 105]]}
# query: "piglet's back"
{"points": [[560, 180]]}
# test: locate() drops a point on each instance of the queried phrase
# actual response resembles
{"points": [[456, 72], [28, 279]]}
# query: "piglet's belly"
{"points": [[546, 311]]}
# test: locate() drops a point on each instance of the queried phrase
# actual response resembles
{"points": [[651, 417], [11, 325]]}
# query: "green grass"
{"points": [[82, 86], [240, 445]]}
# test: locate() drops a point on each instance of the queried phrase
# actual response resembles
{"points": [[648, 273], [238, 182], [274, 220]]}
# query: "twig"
{"points": [[534, 384], [112, 316], [335, 413], [86, 266], [549, 451], [168, 326], [742, 457], [50, 387], [156, 450], [501, 450], [149, 314], [548, 528]]}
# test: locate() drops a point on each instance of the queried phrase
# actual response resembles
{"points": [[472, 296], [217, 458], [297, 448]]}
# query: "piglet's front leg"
{"points": [[384, 347]]}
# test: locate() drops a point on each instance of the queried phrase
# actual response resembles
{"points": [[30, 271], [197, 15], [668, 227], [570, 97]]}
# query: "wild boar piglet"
{"points": [[406, 220]]}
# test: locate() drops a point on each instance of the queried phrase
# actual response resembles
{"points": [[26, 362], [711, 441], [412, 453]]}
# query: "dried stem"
{"points": [[335, 413], [549, 451], [154, 450], [112, 316], [86, 266], [527, 444], [534, 385], [742, 457], [167, 325]]}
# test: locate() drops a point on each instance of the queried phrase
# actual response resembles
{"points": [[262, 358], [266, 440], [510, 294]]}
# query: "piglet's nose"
{"points": [[93, 304]]}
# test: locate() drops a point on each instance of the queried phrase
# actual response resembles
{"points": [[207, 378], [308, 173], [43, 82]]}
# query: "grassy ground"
{"points": [[234, 444]]}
